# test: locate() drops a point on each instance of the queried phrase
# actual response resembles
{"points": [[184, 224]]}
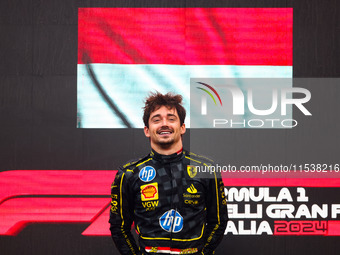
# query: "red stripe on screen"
{"points": [[186, 36]]}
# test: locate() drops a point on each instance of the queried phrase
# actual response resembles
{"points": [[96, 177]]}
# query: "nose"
{"points": [[164, 122]]}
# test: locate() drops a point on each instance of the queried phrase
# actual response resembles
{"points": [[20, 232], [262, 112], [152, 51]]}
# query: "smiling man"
{"points": [[173, 209]]}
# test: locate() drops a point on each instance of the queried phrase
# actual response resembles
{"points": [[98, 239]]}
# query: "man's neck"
{"points": [[167, 150]]}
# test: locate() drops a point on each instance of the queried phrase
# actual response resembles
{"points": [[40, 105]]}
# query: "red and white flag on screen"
{"points": [[132, 51]]}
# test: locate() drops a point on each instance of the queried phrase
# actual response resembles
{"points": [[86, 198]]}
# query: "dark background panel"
{"points": [[38, 52], [53, 49], [316, 27], [51, 12], [16, 46], [17, 12]]}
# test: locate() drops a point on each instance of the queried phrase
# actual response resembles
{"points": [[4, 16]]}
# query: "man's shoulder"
{"points": [[201, 159], [132, 164]]}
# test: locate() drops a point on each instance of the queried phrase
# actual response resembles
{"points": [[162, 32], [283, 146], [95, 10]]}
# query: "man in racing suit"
{"points": [[175, 210]]}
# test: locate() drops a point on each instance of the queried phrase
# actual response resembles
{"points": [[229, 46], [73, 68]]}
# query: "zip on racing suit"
{"points": [[173, 210]]}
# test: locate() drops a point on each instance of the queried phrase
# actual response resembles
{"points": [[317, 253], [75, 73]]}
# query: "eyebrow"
{"points": [[168, 115]]}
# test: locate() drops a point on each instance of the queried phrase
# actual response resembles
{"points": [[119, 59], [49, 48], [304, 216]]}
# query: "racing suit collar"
{"points": [[167, 158]]}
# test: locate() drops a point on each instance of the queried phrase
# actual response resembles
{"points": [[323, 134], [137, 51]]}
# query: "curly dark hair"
{"points": [[155, 100]]}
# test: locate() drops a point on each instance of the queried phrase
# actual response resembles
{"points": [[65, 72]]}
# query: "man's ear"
{"points": [[146, 132], [183, 129]]}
